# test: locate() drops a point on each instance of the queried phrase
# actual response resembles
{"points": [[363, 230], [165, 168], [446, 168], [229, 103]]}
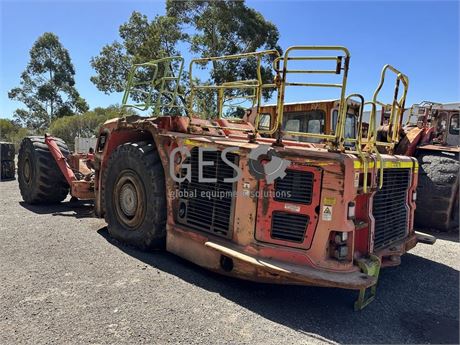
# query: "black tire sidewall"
{"points": [[436, 192], [150, 232], [27, 153]]}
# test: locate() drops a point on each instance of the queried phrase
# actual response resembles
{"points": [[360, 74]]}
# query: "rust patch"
{"points": [[265, 200]]}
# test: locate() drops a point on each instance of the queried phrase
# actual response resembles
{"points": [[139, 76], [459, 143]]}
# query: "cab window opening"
{"points": [[350, 124], [454, 125], [304, 122]]}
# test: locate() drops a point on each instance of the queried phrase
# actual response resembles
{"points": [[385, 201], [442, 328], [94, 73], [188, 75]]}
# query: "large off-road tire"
{"points": [[6, 151], [39, 177], [7, 164], [135, 196], [437, 192]]}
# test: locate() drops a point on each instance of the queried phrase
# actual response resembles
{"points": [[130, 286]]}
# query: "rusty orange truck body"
{"points": [[431, 135], [334, 215], [290, 239]]}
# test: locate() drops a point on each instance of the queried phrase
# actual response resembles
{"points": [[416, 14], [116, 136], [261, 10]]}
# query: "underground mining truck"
{"points": [[431, 134], [215, 192]]}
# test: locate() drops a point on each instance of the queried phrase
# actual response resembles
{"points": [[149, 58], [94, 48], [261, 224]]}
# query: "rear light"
{"points": [[351, 210], [414, 196]]}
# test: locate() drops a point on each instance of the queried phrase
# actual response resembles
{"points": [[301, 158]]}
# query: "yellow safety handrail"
{"points": [[426, 105], [342, 65], [394, 123], [222, 98], [254, 84], [396, 107], [155, 83], [372, 140], [132, 83], [357, 141]]}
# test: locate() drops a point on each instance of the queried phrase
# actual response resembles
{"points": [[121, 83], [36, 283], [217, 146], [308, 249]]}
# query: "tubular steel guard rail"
{"points": [[246, 84], [372, 145], [396, 107], [255, 84], [338, 138], [394, 123], [357, 141], [158, 84], [426, 105]]}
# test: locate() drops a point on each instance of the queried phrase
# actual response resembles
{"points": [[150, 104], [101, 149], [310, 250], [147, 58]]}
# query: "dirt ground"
{"points": [[63, 280]]}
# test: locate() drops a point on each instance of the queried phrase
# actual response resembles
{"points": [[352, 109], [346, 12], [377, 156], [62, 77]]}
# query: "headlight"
{"points": [[341, 237], [338, 248]]}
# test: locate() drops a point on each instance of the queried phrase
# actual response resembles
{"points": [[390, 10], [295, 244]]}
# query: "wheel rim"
{"points": [[27, 171], [129, 199]]}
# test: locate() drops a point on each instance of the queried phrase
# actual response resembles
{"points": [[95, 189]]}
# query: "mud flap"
{"points": [[371, 267]]}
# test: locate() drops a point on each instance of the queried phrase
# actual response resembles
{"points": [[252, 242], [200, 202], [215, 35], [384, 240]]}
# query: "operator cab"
{"points": [[443, 119], [447, 128], [309, 117]]}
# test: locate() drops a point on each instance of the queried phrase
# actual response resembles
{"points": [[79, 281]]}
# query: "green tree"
{"points": [[7, 127], [85, 125], [142, 41], [217, 28], [47, 86], [12, 132], [207, 28]]}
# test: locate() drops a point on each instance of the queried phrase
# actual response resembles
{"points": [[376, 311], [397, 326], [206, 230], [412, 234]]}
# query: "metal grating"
{"points": [[289, 226], [209, 205], [389, 207], [296, 186]]}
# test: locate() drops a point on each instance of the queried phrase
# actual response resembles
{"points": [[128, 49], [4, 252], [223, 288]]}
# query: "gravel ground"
{"points": [[63, 280]]}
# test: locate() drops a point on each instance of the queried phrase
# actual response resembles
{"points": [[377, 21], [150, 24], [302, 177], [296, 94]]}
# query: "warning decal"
{"points": [[327, 213]]}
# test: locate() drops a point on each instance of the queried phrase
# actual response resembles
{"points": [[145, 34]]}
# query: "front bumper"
{"points": [[250, 267], [209, 253]]}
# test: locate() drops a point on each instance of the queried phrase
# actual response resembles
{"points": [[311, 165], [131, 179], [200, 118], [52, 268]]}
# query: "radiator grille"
{"points": [[288, 226], [209, 205], [389, 207], [296, 186]]}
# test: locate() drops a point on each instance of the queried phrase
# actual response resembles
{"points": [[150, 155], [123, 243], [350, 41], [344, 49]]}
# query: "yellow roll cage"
{"points": [[255, 87]]}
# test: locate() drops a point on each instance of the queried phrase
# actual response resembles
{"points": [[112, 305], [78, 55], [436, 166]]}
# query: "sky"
{"points": [[421, 38]]}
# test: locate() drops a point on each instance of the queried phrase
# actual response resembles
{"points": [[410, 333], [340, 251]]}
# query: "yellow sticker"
{"points": [[328, 200]]}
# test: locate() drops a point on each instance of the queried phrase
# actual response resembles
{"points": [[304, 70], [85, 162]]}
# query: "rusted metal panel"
{"points": [[335, 189], [268, 205], [83, 190], [453, 149]]}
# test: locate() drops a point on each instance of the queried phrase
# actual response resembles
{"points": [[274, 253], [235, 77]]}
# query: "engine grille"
{"points": [[296, 186], [288, 226], [209, 206], [389, 207]]}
